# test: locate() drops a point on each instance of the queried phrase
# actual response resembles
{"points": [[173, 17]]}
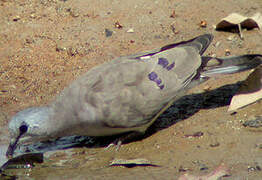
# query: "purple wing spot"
{"points": [[162, 86], [158, 81], [152, 76], [171, 66], [163, 62]]}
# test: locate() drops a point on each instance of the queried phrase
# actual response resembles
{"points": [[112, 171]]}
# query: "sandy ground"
{"points": [[45, 44]]}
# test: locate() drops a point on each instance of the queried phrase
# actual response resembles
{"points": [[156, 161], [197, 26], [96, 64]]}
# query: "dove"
{"points": [[124, 95]]}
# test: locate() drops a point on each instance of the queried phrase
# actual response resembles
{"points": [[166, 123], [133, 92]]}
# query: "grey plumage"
{"points": [[126, 94]]}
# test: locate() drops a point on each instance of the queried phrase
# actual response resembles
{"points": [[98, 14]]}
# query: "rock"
{"points": [[108, 32], [131, 30]]}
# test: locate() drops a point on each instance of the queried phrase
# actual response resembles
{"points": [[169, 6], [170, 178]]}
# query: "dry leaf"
{"points": [[236, 22], [131, 162], [173, 14], [250, 91], [203, 24], [232, 20]]}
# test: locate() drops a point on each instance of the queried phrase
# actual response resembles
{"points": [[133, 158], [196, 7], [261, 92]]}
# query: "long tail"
{"points": [[229, 65]]}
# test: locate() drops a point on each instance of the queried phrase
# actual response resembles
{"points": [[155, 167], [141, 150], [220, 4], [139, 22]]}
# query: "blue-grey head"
{"points": [[28, 126]]}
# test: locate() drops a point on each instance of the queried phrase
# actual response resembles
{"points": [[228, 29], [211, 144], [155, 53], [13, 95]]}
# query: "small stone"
{"points": [[196, 134], [201, 165], [32, 16], [231, 38], [16, 18], [253, 168], [108, 33], [183, 169], [131, 30], [215, 144], [254, 122]]}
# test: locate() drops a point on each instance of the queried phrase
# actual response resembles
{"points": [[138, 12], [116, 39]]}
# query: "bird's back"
{"points": [[128, 92]]}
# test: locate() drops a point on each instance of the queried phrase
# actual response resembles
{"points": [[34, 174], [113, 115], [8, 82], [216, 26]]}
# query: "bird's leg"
{"points": [[125, 138]]}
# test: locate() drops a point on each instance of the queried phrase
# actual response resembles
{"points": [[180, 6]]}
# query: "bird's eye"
{"points": [[23, 129]]}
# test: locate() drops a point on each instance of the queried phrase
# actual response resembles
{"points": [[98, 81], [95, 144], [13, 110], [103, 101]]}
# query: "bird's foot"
{"points": [[117, 143], [123, 139]]}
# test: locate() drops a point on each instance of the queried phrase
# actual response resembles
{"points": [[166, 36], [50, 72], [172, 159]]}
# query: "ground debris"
{"points": [[254, 122], [132, 162], [249, 92], [108, 32], [22, 161], [232, 20], [235, 22], [173, 14], [196, 134], [203, 24], [118, 25], [219, 172], [253, 168]]}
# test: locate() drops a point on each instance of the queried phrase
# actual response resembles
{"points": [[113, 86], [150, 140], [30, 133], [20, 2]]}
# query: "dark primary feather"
{"points": [[229, 65]]}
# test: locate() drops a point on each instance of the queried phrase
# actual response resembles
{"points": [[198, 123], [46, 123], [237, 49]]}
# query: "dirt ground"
{"points": [[45, 44]]}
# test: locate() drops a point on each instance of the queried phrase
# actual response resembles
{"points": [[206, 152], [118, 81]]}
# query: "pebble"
{"points": [[16, 18], [108, 32], [254, 122], [215, 144], [231, 38], [253, 168], [131, 30], [183, 169], [196, 134]]}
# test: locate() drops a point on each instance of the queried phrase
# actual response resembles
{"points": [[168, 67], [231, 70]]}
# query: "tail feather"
{"points": [[229, 65]]}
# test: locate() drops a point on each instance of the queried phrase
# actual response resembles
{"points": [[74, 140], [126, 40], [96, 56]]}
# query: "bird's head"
{"points": [[28, 126]]}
